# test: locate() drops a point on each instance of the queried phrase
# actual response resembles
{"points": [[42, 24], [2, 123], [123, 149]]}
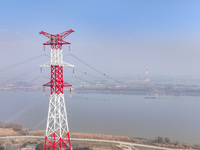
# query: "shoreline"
{"points": [[25, 132]]}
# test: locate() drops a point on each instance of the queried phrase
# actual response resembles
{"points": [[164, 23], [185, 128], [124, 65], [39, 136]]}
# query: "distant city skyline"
{"points": [[117, 37]]}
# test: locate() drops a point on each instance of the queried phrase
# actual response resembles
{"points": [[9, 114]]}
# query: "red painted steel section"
{"points": [[56, 84], [56, 41], [60, 143]]}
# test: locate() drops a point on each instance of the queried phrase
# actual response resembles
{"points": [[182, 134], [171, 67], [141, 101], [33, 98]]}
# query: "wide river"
{"points": [[177, 117]]}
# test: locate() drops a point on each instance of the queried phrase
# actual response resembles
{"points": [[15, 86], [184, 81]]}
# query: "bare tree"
{"points": [[167, 140], [17, 127], [159, 139]]}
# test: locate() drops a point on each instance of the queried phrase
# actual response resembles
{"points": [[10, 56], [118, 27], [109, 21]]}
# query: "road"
{"points": [[123, 145]]}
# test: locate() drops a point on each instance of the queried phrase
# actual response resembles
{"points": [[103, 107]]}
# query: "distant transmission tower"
{"points": [[57, 130], [147, 76]]}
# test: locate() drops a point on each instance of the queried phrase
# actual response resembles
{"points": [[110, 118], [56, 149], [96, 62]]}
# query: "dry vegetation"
{"points": [[10, 129], [101, 136]]}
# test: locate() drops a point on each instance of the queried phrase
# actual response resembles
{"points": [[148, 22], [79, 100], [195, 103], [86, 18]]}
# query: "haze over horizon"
{"points": [[117, 37]]}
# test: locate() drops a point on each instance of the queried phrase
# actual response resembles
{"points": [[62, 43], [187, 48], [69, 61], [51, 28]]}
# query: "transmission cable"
{"points": [[85, 73], [83, 80], [90, 82], [87, 98], [96, 69], [20, 63], [18, 76]]}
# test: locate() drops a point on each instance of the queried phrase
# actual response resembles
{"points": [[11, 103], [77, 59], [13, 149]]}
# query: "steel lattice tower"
{"points": [[57, 130], [147, 76]]}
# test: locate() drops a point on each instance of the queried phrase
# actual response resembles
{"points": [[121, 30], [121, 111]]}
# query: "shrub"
{"points": [[159, 139], [17, 127], [1, 148], [26, 143], [40, 146], [167, 140]]}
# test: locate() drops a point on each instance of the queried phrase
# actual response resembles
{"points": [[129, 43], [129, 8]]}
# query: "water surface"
{"points": [[176, 117]]}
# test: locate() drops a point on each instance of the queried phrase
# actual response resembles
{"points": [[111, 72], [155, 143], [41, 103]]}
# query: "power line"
{"points": [[19, 63], [89, 98], [84, 80], [87, 64], [85, 73], [90, 82], [96, 69], [19, 76]]}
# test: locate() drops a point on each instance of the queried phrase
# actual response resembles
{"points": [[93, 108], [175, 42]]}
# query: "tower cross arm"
{"points": [[47, 43], [68, 65], [48, 64], [46, 34], [66, 33]]}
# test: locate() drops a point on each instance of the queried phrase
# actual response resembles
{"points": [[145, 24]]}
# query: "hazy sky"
{"points": [[118, 37]]}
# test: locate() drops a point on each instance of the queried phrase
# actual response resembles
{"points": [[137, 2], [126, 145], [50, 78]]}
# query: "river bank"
{"points": [[25, 132]]}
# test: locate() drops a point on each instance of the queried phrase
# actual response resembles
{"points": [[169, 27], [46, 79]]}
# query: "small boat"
{"points": [[150, 97]]}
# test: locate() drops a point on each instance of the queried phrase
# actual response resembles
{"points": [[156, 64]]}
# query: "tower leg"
{"points": [[57, 131]]}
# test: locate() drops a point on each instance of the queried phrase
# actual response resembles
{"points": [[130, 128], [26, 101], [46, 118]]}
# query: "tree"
{"points": [[167, 140], [7, 146], [177, 143], [17, 127], [40, 146], [26, 143], [159, 139], [1, 148]]}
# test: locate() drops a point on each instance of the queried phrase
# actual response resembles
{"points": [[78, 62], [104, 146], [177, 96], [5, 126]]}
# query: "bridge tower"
{"points": [[57, 130]]}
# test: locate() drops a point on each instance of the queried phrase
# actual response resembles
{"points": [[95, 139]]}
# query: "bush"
{"points": [[24, 132], [6, 125], [2, 148], [159, 139], [40, 146], [17, 127], [26, 143], [177, 143], [167, 140]]}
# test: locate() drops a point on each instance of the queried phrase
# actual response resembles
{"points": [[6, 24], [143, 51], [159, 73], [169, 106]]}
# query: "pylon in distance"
{"points": [[57, 130], [147, 76]]}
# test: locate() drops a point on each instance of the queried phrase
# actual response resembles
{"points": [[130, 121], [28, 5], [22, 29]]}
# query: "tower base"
{"points": [[54, 144]]}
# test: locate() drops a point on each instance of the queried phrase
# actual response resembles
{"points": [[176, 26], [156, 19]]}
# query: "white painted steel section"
{"points": [[57, 116], [56, 57]]}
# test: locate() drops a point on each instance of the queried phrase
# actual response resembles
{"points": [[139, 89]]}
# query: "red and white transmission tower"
{"points": [[147, 76], [57, 130]]}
